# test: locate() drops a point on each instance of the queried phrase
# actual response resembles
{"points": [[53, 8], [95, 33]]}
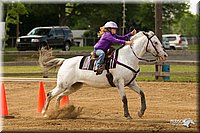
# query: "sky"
{"points": [[193, 6]]}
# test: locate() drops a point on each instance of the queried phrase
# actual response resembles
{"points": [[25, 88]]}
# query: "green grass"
{"points": [[85, 48], [10, 49], [73, 48], [173, 68], [21, 69], [193, 47], [144, 68]]}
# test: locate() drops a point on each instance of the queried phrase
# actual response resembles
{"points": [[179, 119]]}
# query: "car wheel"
{"points": [[43, 44], [66, 46], [172, 48]]}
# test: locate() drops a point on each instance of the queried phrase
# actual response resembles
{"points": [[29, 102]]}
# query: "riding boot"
{"points": [[100, 69]]}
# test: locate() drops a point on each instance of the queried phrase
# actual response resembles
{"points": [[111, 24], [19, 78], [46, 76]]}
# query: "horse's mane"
{"points": [[140, 34], [136, 36]]}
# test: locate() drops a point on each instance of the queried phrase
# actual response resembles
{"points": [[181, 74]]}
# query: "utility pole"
{"points": [[158, 32], [123, 17], [158, 20], [17, 30]]}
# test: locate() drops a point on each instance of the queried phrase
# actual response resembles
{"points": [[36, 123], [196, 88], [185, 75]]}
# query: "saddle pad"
{"points": [[89, 64]]}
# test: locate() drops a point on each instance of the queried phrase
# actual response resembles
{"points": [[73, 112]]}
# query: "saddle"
{"points": [[89, 62], [109, 54]]}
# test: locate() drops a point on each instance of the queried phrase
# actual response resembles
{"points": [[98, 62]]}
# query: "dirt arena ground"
{"points": [[102, 108]]}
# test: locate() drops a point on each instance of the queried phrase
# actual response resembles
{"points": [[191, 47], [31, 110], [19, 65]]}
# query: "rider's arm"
{"points": [[113, 39], [127, 36]]}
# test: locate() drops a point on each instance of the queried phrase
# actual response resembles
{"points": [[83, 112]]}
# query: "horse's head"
{"points": [[154, 46]]}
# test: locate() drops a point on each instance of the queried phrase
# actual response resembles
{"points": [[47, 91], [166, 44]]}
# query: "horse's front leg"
{"points": [[121, 90], [134, 86]]}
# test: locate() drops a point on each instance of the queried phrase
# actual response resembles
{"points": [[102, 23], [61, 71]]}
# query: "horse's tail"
{"points": [[47, 61]]}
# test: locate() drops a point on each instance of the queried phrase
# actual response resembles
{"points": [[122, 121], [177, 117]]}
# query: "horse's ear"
{"points": [[151, 33], [145, 33]]}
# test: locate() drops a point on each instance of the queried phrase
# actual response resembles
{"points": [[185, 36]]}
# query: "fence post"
{"points": [[45, 74], [158, 70]]}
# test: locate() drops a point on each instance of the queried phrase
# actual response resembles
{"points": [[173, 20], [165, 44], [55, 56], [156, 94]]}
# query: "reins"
{"points": [[135, 72], [149, 40]]}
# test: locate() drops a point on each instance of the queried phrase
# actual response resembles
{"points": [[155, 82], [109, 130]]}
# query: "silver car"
{"points": [[165, 43], [176, 41]]}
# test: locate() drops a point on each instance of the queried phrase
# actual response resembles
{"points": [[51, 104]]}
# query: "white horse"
{"points": [[70, 78]]}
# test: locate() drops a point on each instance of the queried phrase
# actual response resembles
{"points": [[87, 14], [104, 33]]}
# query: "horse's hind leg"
{"points": [[68, 91], [50, 95], [136, 88]]}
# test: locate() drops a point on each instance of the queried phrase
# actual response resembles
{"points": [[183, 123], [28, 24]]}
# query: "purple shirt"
{"points": [[108, 39]]}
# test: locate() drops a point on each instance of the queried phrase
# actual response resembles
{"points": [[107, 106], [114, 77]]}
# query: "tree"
{"points": [[92, 16], [172, 13], [140, 16], [187, 25], [14, 11]]}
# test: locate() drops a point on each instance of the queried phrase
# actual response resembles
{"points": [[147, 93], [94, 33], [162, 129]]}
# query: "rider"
{"points": [[108, 36]]}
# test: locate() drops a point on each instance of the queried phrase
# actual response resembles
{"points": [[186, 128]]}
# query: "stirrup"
{"points": [[100, 69], [99, 72]]}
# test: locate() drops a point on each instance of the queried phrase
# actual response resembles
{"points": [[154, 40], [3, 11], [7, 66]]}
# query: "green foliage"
{"points": [[172, 13], [13, 13], [92, 16], [187, 25], [139, 16], [82, 16]]}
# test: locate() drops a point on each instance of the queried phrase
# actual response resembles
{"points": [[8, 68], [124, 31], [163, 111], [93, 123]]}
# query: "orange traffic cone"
{"points": [[3, 103], [4, 109], [64, 101], [41, 98]]}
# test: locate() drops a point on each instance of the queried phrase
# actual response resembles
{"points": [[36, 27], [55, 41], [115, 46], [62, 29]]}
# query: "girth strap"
{"points": [[134, 76], [110, 76]]}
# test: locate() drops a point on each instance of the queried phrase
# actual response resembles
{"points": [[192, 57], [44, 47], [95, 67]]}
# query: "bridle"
{"points": [[148, 42], [135, 72]]}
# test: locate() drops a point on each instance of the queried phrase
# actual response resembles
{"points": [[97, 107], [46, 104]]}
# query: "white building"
{"points": [[78, 37]]}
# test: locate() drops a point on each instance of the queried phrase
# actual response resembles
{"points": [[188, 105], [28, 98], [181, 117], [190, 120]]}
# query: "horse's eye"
{"points": [[156, 43]]}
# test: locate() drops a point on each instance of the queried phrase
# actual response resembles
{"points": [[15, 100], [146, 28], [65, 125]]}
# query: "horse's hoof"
{"points": [[140, 114], [45, 116], [129, 118], [43, 112]]}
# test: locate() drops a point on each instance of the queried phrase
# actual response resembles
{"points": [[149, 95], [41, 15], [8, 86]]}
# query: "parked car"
{"points": [[176, 41], [165, 43], [55, 36]]}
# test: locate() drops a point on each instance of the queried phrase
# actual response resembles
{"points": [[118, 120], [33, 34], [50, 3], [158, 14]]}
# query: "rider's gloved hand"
{"points": [[128, 42], [133, 32]]}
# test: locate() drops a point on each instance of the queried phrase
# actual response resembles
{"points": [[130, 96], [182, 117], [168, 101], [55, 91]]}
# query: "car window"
{"points": [[183, 39], [171, 38], [39, 32], [165, 39], [66, 32], [52, 32], [59, 32]]}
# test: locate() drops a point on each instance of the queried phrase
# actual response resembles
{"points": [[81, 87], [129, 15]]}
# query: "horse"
{"points": [[70, 78]]}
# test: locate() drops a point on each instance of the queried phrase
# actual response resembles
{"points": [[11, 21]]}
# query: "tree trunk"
{"points": [[17, 30], [62, 15]]}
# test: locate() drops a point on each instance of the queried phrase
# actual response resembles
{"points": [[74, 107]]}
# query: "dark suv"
{"points": [[55, 36]]}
